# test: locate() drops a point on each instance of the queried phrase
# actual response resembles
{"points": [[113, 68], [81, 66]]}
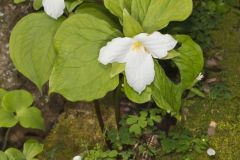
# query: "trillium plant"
{"points": [[86, 49]]}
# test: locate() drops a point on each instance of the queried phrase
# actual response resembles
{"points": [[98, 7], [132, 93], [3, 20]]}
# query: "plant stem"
{"points": [[5, 141], [99, 115], [117, 105]]}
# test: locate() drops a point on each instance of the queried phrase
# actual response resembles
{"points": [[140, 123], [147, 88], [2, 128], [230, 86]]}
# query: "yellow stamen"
{"points": [[137, 45]]}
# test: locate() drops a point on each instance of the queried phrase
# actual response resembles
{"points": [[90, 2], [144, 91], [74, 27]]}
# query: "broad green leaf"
{"points": [[14, 154], [165, 93], [131, 27], [7, 119], [16, 100], [98, 11], [37, 4], [77, 74], [31, 46], [117, 68], [190, 61], [156, 14], [3, 156], [2, 93], [31, 118], [144, 97], [71, 5], [116, 6], [31, 149]]}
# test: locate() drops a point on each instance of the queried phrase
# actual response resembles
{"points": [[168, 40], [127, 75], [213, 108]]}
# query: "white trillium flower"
{"points": [[54, 8], [138, 53], [77, 158]]}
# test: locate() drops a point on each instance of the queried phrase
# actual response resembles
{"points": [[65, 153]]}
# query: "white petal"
{"points": [[115, 51], [54, 8], [157, 44], [139, 69]]}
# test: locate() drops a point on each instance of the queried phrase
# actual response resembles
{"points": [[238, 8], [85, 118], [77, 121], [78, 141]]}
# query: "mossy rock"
{"points": [[222, 107], [76, 131]]}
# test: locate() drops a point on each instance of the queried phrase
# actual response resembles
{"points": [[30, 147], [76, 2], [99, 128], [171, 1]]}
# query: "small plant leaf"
{"points": [[2, 93], [135, 129], [31, 118], [7, 119], [14, 154], [3, 156], [31, 149], [132, 120], [16, 100], [37, 4]]}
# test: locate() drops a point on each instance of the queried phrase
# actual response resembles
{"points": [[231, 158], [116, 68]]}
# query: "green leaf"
{"points": [[190, 61], [98, 11], [172, 54], [71, 5], [31, 149], [131, 27], [135, 129], [18, 1], [31, 118], [16, 100], [37, 4], [14, 154], [116, 6], [77, 74], [3, 156], [31, 46], [117, 68], [165, 93], [156, 14], [142, 122], [144, 97], [7, 119], [2, 93], [132, 120]]}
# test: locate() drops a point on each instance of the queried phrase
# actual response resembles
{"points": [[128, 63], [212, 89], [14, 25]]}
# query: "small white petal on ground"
{"points": [[211, 152]]}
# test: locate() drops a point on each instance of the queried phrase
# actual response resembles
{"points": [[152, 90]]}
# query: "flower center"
{"points": [[137, 46]]}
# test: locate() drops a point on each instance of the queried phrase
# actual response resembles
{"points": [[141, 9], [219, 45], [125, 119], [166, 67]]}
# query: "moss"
{"points": [[224, 110], [76, 131]]}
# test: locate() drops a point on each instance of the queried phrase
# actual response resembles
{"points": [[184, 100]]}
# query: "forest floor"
{"points": [[218, 115]]}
